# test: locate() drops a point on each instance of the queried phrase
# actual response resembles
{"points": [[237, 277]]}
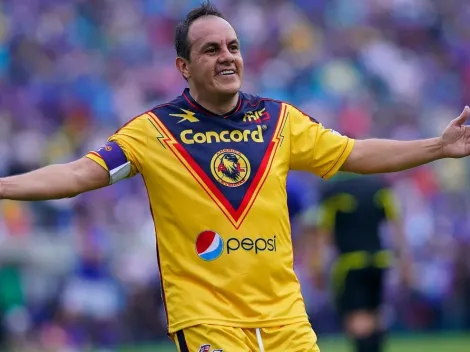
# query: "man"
{"points": [[352, 210], [215, 161]]}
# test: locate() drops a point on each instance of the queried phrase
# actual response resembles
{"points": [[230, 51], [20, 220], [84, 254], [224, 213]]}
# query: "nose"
{"points": [[226, 56]]}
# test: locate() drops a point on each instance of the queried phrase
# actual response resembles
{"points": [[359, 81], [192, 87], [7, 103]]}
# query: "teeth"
{"points": [[227, 72]]}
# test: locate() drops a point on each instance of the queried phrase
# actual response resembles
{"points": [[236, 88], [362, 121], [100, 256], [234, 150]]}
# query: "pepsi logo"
{"points": [[209, 245]]}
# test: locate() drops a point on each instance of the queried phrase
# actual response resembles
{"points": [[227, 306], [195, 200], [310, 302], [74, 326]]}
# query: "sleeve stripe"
{"points": [[96, 154], [97, 159], [342, 158]]}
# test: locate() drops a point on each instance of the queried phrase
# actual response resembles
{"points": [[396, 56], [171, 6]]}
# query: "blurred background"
{"points": [[82, 272]]}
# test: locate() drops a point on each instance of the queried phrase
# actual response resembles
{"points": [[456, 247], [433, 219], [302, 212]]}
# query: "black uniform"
{"points": [[353, 208]]}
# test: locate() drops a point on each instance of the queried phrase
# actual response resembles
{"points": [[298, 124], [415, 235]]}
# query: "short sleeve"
{"points": [[314, 148], [124, 152]]}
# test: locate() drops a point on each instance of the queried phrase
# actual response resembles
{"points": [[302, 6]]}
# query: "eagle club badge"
{"points": [[230, 167]]}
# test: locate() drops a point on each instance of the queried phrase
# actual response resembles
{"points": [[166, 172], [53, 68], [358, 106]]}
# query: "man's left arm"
{"points": [[372, 156]]}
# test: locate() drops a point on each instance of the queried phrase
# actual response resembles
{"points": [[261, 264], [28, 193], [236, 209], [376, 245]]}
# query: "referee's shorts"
{"points": [[358, 279]]}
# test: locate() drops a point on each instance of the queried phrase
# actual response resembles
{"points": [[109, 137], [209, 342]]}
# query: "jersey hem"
{"points": [[236, 323]]}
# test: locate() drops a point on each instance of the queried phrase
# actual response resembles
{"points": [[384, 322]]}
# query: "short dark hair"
{"points": [[182, 45]]}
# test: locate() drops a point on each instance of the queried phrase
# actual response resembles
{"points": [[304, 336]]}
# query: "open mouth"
{"points": [[226, 73]]}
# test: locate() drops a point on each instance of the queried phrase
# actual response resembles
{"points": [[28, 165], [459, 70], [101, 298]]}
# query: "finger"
{"points": [[463, 116]]}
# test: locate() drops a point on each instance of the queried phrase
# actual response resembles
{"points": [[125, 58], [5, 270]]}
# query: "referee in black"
{"points": [[352, 210]]}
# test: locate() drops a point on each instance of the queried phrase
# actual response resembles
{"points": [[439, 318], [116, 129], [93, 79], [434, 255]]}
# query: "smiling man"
{"points": [[215, 162], [209, 59]]}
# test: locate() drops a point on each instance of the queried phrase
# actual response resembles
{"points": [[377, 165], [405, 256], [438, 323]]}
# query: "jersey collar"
{"points": [[187, 95]]}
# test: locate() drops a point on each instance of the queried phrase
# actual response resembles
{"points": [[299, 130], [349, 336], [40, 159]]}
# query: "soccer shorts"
{"points": [[214, 338], [358, 280]]}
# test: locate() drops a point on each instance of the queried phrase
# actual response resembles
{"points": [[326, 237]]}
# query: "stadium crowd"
{"points": [[84, 270]]}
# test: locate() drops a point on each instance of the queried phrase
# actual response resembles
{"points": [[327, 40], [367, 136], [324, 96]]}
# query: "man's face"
{"points": [[215, 65]]}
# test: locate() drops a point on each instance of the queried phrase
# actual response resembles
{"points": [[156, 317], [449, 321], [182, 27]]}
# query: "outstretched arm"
{"points": [[372, 156], [55, 181]]}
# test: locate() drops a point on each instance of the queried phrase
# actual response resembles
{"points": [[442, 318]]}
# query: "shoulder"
{"points": [[177, 103], [138, 122], [256, 100], [133, 123]]}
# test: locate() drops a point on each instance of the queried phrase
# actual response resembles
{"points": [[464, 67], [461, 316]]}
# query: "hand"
{"points": [[456, 137]]}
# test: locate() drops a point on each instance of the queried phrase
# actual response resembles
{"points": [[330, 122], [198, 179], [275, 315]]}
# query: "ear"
{"points": [[182, 65]]}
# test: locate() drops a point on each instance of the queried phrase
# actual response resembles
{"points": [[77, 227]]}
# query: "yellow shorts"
{"points": [[213, 338]]}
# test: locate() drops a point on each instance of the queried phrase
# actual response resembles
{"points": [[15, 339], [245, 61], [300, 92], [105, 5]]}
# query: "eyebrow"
{"points": [[216, 44], [235, 41]]}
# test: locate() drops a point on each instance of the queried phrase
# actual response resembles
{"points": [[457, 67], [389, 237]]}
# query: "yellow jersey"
{"points": [[217, 191]]}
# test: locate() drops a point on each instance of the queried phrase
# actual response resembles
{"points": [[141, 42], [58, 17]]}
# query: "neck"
{"points": [[219, 105]]}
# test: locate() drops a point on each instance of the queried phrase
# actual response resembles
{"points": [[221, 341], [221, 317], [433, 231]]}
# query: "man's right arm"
{"points": [[55, 181]]}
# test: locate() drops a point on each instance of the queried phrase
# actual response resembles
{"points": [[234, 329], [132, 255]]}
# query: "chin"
{"points": [[229, 89]]}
